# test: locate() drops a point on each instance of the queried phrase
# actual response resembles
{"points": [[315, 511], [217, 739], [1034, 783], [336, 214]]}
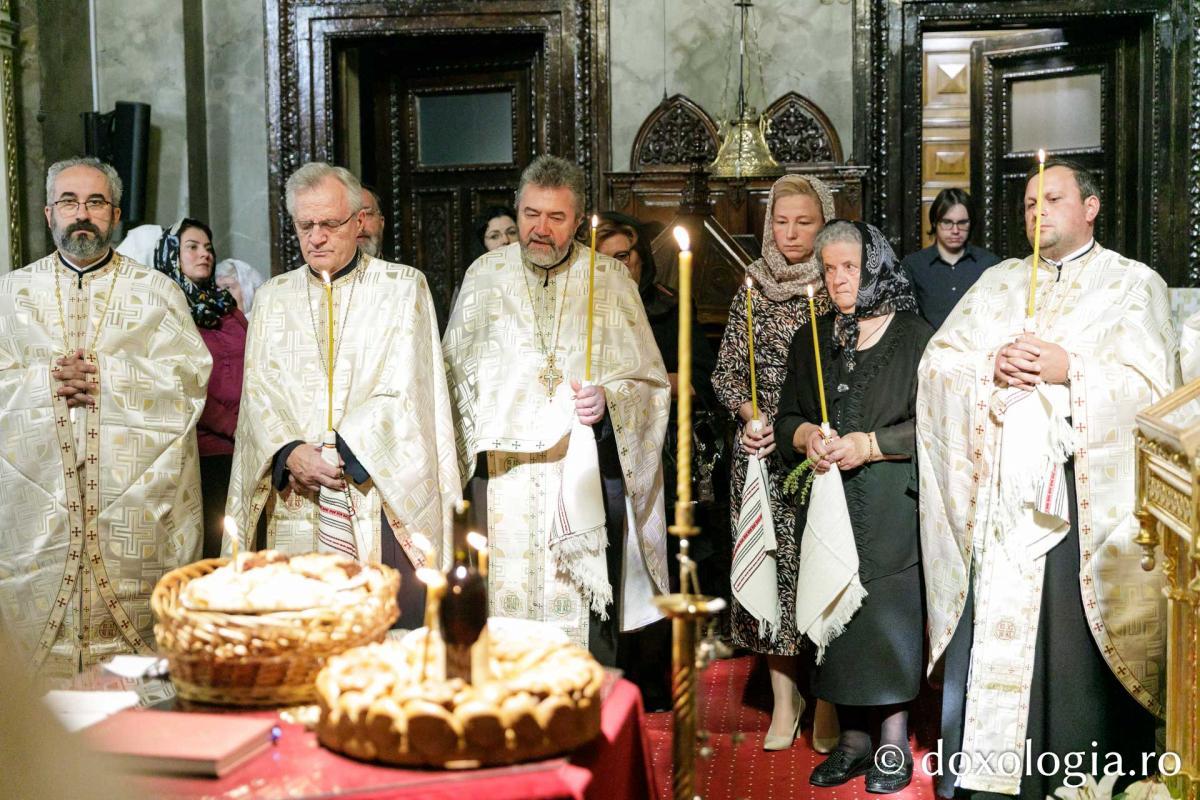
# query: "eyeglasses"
{"points": [[327, 226], [94, 205], [951, 224]]}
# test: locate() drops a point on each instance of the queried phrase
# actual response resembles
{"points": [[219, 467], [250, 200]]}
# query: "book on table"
{"points": [[179, 743]]}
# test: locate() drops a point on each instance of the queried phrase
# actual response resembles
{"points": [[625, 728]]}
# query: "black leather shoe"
{"points": [[839, 768], [879, 782]]}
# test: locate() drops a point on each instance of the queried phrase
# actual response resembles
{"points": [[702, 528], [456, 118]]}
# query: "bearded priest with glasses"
{"points": [[102, 380], [360, 461]]}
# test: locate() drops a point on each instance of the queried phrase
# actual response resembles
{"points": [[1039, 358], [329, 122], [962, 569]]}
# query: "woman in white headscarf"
{"points": [[241, 280], [797, 209]]}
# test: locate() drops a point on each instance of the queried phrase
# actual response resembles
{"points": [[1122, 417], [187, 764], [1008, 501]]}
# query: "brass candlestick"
{"points": [[687, 608]]}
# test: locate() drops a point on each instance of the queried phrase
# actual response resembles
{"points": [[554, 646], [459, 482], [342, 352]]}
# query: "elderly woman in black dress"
{"points": [[870, 349]]}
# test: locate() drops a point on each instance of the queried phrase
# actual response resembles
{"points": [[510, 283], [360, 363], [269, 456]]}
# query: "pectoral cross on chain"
{"points": [[550, 375]]}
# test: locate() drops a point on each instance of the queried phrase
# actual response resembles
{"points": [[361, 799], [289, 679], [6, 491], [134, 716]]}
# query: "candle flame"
{"points": [[325, 277], [421, 542], [681, 236], [809, 289], [1041, 156], [231, 527], [749, 282], [430, 577], [460, 507], [595, 221], [477, 540]]}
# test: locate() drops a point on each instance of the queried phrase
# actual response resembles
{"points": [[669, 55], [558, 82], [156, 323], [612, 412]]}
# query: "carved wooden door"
{"points": [[446, 128], [1075, 94]]}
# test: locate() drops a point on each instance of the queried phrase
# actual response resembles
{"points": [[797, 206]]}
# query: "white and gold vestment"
{"points": [[96, 502], [515, 332], [1111, 315], [390, 406]]}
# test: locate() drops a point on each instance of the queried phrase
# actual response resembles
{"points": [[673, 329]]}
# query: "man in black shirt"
{"points": [[943, 272]]}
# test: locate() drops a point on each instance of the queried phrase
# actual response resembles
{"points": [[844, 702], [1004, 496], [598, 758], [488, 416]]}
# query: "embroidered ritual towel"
{"points": [[828, 589]]}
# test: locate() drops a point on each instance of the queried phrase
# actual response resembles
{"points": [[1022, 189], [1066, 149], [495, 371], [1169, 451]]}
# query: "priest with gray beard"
{"points": [[515, 357]]}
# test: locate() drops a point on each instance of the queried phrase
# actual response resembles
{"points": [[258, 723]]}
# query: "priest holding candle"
{"points": [[848, 404], [345, 438], [1051, 632], [518, 362]]}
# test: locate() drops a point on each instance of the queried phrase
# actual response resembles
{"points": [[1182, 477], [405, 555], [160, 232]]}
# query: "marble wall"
{"points": [[236, 92], [805, 47], [141, 55]]}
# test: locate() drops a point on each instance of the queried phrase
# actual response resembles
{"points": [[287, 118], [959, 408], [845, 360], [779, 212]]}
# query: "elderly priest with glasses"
{"points": [[345, 440], [102, 379]]}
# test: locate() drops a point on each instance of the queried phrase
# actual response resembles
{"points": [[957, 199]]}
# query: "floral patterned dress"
{"points": [[774, 325]]}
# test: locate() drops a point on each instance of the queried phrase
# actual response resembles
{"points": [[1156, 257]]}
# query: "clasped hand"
{"points": [[1029, 361], [71, 373], [309, 472], [846, 452]]}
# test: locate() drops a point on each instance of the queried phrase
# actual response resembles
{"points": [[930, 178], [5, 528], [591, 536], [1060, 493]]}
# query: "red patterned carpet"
{"points": [[735, 697]]}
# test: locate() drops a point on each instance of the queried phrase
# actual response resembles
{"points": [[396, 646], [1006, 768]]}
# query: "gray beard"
{"points": [[371, 247], [82, 249], [539, 260]]}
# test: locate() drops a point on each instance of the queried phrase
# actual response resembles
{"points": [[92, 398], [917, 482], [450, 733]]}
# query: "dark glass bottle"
{"points": [[464, 608]]}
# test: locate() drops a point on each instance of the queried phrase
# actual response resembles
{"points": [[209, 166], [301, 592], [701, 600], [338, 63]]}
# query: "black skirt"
{"points": [[878, 658]]}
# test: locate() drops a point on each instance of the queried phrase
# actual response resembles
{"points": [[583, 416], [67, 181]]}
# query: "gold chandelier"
{"points": [[744, 152]]}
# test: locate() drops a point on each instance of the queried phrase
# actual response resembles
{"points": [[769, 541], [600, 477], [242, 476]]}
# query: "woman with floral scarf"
{"points": [[797, 209]]}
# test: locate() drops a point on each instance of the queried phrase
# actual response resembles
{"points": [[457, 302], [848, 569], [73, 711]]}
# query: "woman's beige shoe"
{"points": [[776, 742], [826, 731]]}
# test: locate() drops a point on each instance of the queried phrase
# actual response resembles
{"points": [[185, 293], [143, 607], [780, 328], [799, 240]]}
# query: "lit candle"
{"points": [[329, 358], [750, 339], [422, 543], [683, 461], [812, 317], [479, 543], [1031, 306], [231, 531], [435, 584], [587, 364]]}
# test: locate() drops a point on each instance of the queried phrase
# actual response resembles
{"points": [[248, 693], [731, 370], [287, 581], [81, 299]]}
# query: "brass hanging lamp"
{"points": [[744, 152]]}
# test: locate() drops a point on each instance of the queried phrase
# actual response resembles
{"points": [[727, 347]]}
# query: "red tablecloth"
{"points": [[615, 765]]}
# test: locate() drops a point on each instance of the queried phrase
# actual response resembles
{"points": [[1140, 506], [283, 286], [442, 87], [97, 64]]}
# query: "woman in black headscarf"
{"points": [[870, 349], [185, 255]]}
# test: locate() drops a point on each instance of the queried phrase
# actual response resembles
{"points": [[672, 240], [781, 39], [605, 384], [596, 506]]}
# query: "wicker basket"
{"points": [[260, 659]]}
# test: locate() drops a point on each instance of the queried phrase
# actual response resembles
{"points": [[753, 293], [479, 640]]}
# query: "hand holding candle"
{"points": [[587, 363], [812, 318], [1031, 306]]}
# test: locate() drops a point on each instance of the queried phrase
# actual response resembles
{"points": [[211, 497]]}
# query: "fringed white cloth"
{"points": [[1036, 439], [828, 588], [335, 520], [754, 576], [578, 537]]}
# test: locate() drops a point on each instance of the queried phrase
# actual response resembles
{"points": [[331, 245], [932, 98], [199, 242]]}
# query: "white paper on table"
{"points": [[135, 666], [76, 710]]}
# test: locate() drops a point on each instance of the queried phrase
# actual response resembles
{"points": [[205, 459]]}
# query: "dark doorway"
{"points": [[1073, 92], [376, 87], [1145, 55], [441, 126]]}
